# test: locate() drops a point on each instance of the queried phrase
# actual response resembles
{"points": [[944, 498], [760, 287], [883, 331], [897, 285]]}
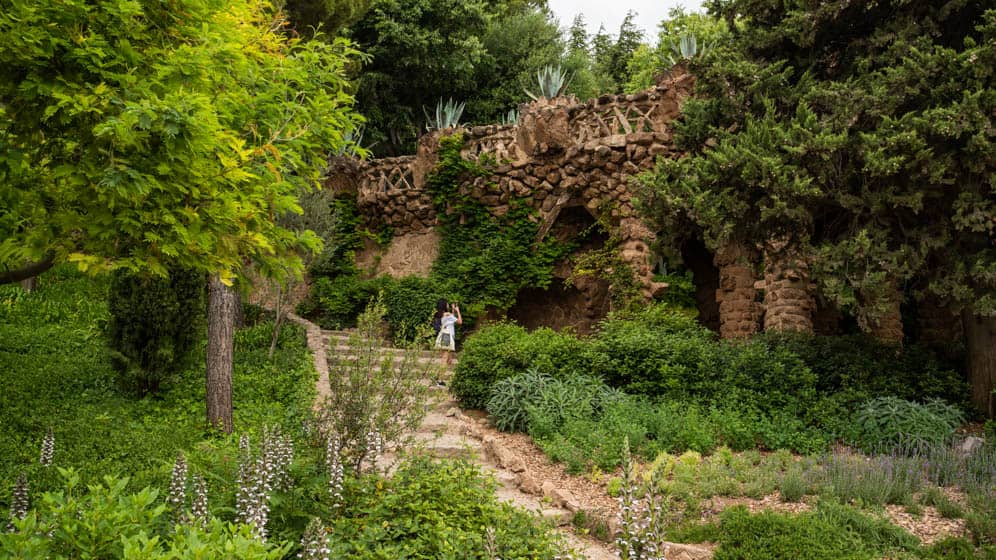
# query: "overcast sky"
{"points": [[611, 12]]}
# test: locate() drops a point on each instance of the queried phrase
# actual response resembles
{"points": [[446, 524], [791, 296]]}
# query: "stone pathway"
{"points": [[447, 433]]}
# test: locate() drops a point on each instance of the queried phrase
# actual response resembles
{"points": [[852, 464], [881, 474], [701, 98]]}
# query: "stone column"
{"points": [[739, 313], [635, 251], [788, 290], [880, 316]]}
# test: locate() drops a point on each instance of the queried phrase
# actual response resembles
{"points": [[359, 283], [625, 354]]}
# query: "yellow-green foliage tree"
{"points": [[139, 135]]}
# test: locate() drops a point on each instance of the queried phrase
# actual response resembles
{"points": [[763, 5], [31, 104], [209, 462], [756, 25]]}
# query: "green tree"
{"points": [[421, 51], [864, 131], [648, 61], [140, 135]]}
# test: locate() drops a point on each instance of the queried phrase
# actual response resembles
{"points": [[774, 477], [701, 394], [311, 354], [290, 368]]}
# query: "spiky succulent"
{"points": [[686, 48], [447, 115], [511, 117], [552, 81]]}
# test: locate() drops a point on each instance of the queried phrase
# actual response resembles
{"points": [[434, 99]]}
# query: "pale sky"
{"points": [[611, 13]]}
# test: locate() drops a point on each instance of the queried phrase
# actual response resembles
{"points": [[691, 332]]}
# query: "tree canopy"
{"points": [[134, 135], [862, 132]]}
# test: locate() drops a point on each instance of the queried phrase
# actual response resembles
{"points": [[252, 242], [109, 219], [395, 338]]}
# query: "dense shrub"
{"points": [[432, 509], [411, 304], [503, 350], [154, 323], [335, 303], [106, 522], [867, 368], [885, 423]]}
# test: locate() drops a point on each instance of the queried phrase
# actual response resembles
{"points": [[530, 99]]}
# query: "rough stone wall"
{"points": [[562, 154], [789, 302]]}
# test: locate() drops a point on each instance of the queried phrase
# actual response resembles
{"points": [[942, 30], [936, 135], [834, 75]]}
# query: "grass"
{"points": [[56, 374]]}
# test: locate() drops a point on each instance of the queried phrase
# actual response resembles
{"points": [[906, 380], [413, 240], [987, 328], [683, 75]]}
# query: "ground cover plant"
{"points": [[59, 376], [129, 475]]}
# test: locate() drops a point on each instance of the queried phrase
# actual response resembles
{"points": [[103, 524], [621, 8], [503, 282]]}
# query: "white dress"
{"points": [[446, 339]]}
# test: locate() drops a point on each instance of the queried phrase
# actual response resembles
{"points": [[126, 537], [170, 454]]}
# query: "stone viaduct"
{"points": [[574, 163]]}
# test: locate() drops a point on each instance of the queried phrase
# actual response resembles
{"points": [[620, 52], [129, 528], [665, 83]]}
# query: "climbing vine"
{"points": [[483, 258]]}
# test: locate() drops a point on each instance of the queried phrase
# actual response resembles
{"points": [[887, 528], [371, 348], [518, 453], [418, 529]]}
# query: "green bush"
{"points": [[885, 423], [503, 350], [105, 522], [411, 304], [154, 325], [833, 532], [510, 396], [867, 368], [335, 303], [432, 509]]}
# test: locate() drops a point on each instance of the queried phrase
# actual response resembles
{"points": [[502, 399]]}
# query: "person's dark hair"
{"points": [[442, 306]]}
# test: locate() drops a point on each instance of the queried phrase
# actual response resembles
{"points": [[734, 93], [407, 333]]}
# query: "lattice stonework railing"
{"points": [[397, 175], [499, 145], [617, 119]]}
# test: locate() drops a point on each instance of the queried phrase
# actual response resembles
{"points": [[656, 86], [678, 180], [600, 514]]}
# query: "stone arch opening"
{"points": [[580, 305], [705, 276]]}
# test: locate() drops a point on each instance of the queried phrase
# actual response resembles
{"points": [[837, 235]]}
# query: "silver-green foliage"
{"points": [[516, 401], [552, 82], [887, 422], [511, 117], [447, 115], [686, 48]]}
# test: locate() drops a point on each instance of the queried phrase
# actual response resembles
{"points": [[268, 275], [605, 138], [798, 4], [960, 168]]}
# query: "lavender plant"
{"points": [[19, 501], [641, 521], [47, 449]]}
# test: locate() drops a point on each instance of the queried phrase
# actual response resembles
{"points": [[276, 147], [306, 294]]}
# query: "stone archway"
{"points": [[705, 276], [580, 305]]}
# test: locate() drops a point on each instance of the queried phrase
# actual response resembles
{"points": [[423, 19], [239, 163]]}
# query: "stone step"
{"points": [[558, 516], [449, 446], [345, 354], [346, 348]]}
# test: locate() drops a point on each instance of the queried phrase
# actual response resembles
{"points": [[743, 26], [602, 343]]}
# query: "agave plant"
{"points": [[511, 117], [351, 143], [687, 47], [553, 80], [447, 115]]}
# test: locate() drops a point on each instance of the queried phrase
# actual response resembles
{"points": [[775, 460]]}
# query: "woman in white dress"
{"points": [[448, 316]]}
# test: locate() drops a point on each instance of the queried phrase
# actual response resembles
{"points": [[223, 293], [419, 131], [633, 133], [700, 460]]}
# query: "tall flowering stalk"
{"points": [[199, 509], [260, 476], [641, 521], [19, 501], [374, 448], [47, 449], [333, 460], [314, 542], [177, 497]]}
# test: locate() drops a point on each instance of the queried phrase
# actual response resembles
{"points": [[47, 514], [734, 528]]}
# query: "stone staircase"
{"points": [[446, 432]]}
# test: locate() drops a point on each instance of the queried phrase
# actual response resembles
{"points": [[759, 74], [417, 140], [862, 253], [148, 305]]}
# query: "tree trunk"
{"points": [[276, 324], [220, 352], [980, 337], [29, 284]]}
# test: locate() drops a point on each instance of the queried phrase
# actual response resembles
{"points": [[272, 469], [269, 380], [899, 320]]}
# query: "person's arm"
{"points": [[459, 318]]}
